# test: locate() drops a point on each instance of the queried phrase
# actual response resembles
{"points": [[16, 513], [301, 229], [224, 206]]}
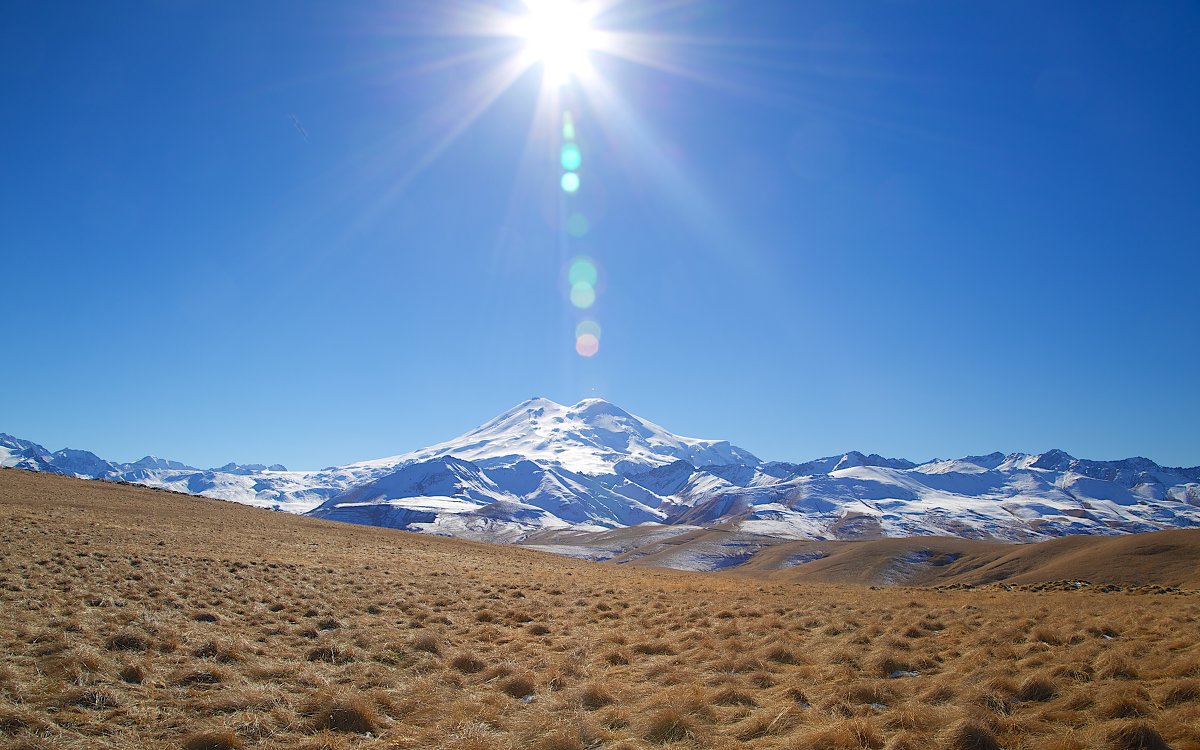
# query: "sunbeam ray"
{"points": [[450, 122], [626, 131]]}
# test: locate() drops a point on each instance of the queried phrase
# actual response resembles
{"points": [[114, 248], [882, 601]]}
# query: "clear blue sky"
{"points": [[241, 230]]}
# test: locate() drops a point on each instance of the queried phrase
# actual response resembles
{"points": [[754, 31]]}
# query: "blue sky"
{"points": [[243, 231]]}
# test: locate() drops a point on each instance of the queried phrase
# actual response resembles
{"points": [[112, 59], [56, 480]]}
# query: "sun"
{"points": [[559, 35]]}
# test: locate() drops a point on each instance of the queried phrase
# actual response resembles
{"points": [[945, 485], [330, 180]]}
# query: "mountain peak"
{"points": [[853, 459], [155, 462], [598, 407], [593, 402], [530, 408], [1054, 459], [591, 437]]}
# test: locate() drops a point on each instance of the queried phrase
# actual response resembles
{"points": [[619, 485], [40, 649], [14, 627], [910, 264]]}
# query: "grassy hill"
{"points": [[135, 618], [1162, 558]]}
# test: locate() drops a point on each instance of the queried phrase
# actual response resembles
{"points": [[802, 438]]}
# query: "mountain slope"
{"points": [[450, 496]]}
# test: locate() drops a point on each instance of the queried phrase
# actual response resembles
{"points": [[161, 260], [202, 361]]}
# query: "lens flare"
{"points": [[577, 225], [570, 182], [568, 130], [587, 328], [587, 345], [583, 271], [571, 157], [583, 295]]}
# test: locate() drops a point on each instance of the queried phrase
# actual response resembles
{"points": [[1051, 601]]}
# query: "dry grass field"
{"points": [[1162, 558], [133, 618]]}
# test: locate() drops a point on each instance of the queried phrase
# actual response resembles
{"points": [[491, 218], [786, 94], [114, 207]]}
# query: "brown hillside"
{"points": [[1165, 558], [134, 618]]}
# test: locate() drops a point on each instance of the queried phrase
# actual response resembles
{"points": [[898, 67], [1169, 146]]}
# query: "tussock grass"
{"points": [[669, 725], [1136, 736], [767, 724], [847, 734], [593, 696], [221, 740], [467, 663], [341, 713], [1181, 691], [127, 641], [427, 643], [971, 735], [518, 686], [133, 674], [255, 630], [1037, 688]]}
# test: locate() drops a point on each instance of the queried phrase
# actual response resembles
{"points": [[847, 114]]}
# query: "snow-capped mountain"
{"points": [[592, 437], [543, 467], [253, 484], [537, 465]]}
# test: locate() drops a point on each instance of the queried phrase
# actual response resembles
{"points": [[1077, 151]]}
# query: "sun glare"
{"points": [[571, 41], [558, 34]]}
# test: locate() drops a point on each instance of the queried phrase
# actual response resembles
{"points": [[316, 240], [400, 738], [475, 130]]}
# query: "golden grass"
{"points": [[131, 618]]}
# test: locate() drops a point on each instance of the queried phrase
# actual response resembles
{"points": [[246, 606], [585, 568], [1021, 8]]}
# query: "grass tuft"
{"points": [[331, 652], [94, 698], [846, 734], [518, 686], [767, 723], [970, 735], [225, 739], [782, 655], [132, 674], [427, 643], [127, 640], [336, 713], [467, 663], [560, 739], [731, 696], [593, 696], [668, 725], [1136, 736], [1183, 691], [1036, 689]]}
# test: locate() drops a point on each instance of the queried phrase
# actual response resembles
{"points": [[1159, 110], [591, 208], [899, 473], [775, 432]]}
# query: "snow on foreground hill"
{"points": [[542, 467]]}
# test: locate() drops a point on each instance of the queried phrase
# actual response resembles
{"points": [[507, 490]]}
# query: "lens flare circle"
{"points": [[583, 271], [571, 157], [587, 345], [570, 182], [587, 328], [583, 295], [577, 225]]}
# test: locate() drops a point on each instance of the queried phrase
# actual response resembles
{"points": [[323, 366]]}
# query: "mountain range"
{"points": [[572, 478]]}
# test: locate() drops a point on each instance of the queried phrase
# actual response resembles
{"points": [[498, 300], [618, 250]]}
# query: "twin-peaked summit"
{"points": [[593, 437], [539, 465]]}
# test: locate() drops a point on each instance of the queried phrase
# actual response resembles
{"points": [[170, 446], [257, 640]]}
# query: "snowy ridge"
{"points": [[594, 469], [252, 484]]}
